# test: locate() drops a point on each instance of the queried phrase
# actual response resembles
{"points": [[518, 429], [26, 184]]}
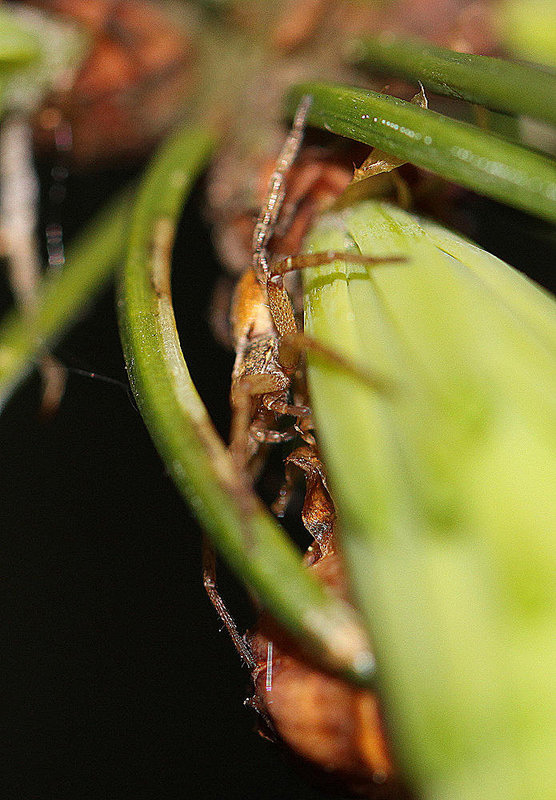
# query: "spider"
{"points": [[267, 340]]}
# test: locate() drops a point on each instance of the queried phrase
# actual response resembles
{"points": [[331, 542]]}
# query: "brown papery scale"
{"points": [[131, 87], [333, 727]]}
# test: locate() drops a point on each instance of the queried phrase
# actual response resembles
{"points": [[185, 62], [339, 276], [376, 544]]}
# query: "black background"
{"points": [[116, 680]]}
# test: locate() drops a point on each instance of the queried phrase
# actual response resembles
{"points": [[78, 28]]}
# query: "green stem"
{"points": [[455, 150], [200, 464], [500, 85], [61, 296]]}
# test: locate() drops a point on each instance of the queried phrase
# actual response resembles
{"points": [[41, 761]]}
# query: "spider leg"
{"points": [[264, 435], [268, 216], [241, 444], [296, 343], [281, 266], [281, 406], [209, 582], [254, 395]]}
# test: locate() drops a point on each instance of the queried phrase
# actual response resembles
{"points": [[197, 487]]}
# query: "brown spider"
{"points": [[266, 337]]}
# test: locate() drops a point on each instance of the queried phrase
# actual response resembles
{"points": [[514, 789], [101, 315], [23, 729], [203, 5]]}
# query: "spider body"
{"points": [[255, 339], [260, 379], [266, 336], [262, 317]]}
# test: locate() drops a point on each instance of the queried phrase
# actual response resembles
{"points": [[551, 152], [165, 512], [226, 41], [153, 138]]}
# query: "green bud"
{"points": [[446, 494]]}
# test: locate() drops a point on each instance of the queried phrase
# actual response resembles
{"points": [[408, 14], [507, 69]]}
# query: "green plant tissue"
{"points": [[446, 494]]}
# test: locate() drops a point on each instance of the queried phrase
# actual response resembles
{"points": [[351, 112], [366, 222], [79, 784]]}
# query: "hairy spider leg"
{"points": [[268, 216], [209, 582], [246, 433], [281, 266]]}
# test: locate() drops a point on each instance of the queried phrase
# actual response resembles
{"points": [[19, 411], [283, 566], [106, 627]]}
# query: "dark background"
{"points": [[116, 679]]}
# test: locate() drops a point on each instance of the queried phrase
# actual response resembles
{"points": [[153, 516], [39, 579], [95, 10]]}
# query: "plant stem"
{"points": [[457, 151], [200, 464], [497, 84]]}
